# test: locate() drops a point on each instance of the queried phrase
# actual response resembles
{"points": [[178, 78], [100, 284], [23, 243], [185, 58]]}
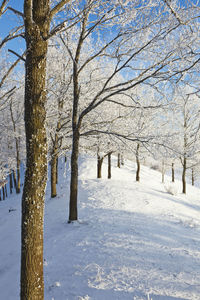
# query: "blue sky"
{"points": [[8, 21]]}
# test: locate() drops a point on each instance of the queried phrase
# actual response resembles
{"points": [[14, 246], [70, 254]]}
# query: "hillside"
{"points": [[132, 241]]}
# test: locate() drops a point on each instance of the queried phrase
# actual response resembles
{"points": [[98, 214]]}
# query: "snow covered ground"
{"points": [[134, 241]]}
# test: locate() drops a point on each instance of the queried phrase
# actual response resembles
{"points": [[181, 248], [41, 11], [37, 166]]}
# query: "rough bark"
{"points": [[184, 175], [109, 165], [36, 31], [138, 163], [173, 177]]}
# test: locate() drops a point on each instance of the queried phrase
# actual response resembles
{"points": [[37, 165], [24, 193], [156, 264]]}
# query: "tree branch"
{"points": [[61, 27], [12, 35], [2, 7], [121, 87], [69, 51], [57, 8], [134, 106], [19, 13], [116, 134], [99, 52], [28, 13], [9, 93], [9, 71], [173, 12], [19, 56]]}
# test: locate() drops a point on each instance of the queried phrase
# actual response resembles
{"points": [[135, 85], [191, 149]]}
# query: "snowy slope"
{"points": [[133, 240]]}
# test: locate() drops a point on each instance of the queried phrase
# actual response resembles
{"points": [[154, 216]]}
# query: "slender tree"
{"points": [[126, 48], [58, 109], [173, 177], [17, 146], [192, 175], [138, 162], [118, 160], [109, 165], [187, 122], [99, 164]]}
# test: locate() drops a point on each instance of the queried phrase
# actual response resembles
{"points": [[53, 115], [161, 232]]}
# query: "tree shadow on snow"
{"points": [[118, 254], [175, 199]]}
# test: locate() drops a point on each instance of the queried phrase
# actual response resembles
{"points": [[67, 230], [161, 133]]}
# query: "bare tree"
{"points": [[127, 49], [17, 146], [58, 109], [185, 122]]}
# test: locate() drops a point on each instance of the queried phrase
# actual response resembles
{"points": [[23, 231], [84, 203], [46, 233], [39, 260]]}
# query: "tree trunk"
{"points": [[6, 191], [99, 165], [192, 176], [54, 166], [17, 143], [11, 182], [14, 178], [36, 30], [173, 172], [53, 176], [18, 174], [138, 163], [54, 155], [109, 165], [118, 160], [184, 175], [0, 195], [3, 191], [76, 124], [57, 170], [122, 160], [73, 211]]}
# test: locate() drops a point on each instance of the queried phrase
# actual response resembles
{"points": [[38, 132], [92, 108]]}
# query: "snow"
{"points": [[133, 240]]}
